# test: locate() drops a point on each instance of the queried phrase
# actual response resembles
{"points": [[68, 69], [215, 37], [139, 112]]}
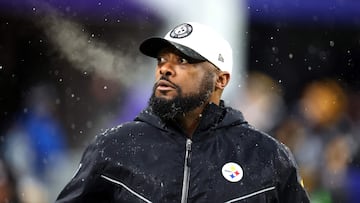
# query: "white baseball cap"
{"points": [[196, 41]]}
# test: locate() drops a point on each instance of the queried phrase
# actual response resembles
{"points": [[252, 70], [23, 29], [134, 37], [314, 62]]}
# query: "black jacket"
{"points": [[151, 161]]}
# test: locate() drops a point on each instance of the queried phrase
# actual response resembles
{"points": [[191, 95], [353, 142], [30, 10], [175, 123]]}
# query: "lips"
{"points": [[163, 85]]}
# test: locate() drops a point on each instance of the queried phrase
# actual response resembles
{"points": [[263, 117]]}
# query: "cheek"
{"points": [[157, 74], [191, 83], [190, 87]]}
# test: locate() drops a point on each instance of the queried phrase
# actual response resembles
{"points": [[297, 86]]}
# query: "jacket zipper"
{"points": [[186, 180]]}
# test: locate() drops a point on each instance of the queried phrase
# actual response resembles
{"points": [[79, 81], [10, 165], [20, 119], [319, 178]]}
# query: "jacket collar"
{"points": [[213, 117]]}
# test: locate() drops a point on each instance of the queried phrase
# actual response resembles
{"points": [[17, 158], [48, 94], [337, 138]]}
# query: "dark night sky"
{"points": [[293, 43]]}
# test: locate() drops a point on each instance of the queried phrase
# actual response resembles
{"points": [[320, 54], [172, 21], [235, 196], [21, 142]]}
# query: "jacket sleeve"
{"points": [[86, 184], [291, 187]]}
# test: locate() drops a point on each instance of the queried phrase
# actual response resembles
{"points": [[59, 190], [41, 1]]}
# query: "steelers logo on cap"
{"points": [[232, 172], [181, 31]]}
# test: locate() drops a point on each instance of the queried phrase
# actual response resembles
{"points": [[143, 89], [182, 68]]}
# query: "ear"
{"points": [[223, 78]]}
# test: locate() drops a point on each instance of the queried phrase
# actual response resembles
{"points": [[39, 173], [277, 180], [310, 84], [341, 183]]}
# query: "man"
{"points": [[186, 146]]}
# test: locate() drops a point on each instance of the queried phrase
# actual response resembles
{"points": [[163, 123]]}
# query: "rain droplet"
{"points": [[105, 87], [274, 49], [291, 56], [89, 124], [332, 43]]}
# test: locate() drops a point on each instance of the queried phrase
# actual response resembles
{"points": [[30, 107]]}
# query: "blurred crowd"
{"points": [[321, 128]]}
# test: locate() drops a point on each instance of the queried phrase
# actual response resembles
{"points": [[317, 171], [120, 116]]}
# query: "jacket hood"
{"points": [[213, 117]]}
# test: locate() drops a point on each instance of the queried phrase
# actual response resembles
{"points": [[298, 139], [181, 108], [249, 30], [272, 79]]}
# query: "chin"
{"points": [[165, 96]]}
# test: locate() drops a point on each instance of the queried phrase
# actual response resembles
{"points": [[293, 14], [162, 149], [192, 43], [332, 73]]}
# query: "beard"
{"points": [[169, 109]]}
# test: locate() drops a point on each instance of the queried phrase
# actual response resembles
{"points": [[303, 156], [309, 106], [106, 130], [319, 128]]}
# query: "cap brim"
{"points": [[152, 46]]}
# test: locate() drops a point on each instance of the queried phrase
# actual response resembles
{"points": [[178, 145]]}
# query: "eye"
{"points": [[160, 60], [183, 61]]}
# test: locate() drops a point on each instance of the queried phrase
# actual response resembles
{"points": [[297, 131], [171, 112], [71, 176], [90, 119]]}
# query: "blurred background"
{"points": [[71, 69]]}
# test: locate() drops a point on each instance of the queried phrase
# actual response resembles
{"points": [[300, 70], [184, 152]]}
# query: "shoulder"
{"points": [[248, 133], [281, 154], [125, 133], [265, 143], [118, 139], [123, 130]]}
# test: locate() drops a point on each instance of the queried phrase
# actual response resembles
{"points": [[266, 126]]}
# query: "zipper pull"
{"points": [[188, 152], [186, 180]]}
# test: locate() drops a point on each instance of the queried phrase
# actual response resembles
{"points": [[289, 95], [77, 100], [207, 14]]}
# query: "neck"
{"points": [[189, 121]]}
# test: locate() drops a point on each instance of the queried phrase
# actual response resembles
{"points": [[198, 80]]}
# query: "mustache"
{"points": [[166, 79]]}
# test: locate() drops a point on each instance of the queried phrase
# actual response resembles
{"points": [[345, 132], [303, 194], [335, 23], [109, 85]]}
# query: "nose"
{"points": [[166, 69]]}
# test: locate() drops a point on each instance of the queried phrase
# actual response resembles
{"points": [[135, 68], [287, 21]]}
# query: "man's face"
{"points": [[181, 84]]}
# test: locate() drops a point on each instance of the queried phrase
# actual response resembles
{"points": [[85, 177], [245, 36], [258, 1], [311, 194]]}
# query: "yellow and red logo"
{"points": [[232, 172]]}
